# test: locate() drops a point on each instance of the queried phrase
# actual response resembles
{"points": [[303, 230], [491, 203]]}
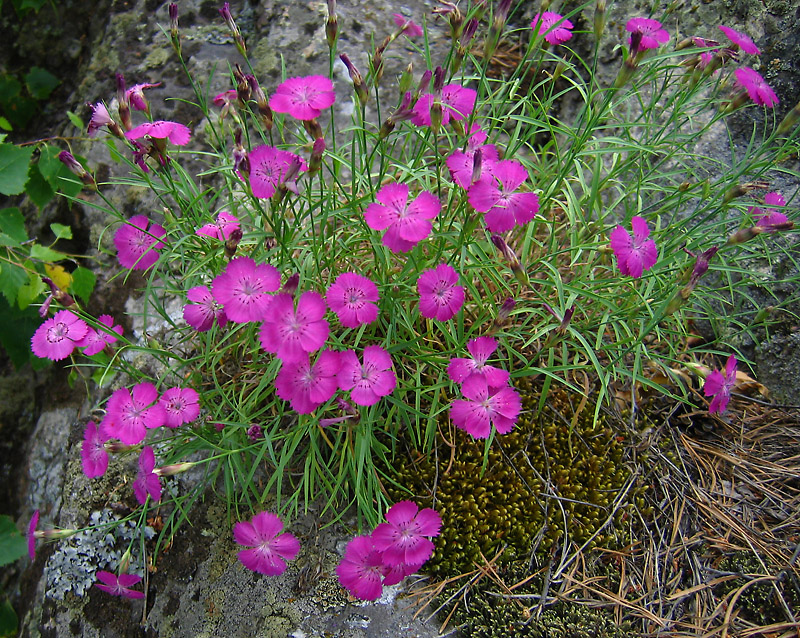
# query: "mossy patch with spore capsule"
{"points": [[546, 483]]}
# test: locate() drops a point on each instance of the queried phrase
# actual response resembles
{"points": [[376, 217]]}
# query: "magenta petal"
{"points": [[402, 512], [429, 522]]}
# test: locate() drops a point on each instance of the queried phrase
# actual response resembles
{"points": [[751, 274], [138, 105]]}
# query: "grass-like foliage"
{"points": [[349, 291]]}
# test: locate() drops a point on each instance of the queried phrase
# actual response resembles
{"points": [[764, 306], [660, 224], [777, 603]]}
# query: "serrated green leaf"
{"points": [[77, 122], [61, 231], [16, 329], [49, 164], [83, 281], [12, 223], [12, 278], [37, 188], [41, 82], [12, 542], [31, 291], [10, 88], [14, 162], [44, 253]]}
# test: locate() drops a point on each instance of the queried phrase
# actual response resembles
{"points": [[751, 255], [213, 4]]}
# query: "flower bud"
{"points": [[59, 295], [242, 86], [123, 108], [290, 287], [171, 470], [225, 12], [73, 165], [358, 80], [742, 189], [332, 25], [744, 234], [233, 242], [315, 161], [406, 79], [789, 121], [254, 432], [599, 18], [174, 36]]}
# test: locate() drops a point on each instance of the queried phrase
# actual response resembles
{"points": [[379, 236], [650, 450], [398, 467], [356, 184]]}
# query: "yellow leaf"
{"points": [[60, 277]]}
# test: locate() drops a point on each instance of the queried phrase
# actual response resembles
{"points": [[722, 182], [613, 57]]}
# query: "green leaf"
{"points": [[24, 5], [76, 121], [12, 542], [46, 254], [3, 136], [12, 277], [37, 188], [12, 223], [9, 623], [16, 329], [61, 231], [31, 291], [14, 162], [9, 88], [49, 164], [83, 281], [41, 82], [5, 124]]}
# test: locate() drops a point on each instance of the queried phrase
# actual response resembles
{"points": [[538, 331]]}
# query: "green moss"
{"points": [[542, 481]]}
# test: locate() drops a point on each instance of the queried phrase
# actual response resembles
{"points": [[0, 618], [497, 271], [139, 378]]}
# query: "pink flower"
{"points": [[439, 296], [243, 289], [290, 333], [771, 220], [546, 21], [361, 570], [204, 311], [408, 27], [222, 229], [720, 386], [119, 585], [459, 370], [653, 36], [268, 168], [137, 242], [96, 340], [135, 96], [176, 133], [94, 457], [403, 539], [740, 40], [462, 163], [370, 381], [57, 337], [756, 87], [303, 98], [634, 254], [352, 297], [31, 536], [485, 407], [496, 195], [100, 118], [181, 405], [457, 102], [147, 482], [306, 386], [406, 224], [130, 413], [269, 548]]}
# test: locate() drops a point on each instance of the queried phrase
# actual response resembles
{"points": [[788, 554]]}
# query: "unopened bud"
{"points": [[75, 166], [332, 25], [789, 121], [232, 242], [242, 86], [744, 234], [254, 432], [173, 27], [59, 295], [290, 287], [171, 470], [313, 128], [358, 80], [225, 12], [315, 161], [742, 189], [406, 79], [477, 161], [123, 107]]}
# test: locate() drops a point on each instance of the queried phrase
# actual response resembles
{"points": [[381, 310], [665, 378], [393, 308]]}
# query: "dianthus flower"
{"points": [[756, 87], [407, 27], [178, 134], [244, 288], [100, 117], [406, 224], [96, 340], [204, 309], [634, 254], [495, 194], [652, 35], [352, 297], [57, 337], [440, 297], [484, 407], [181, 405], [130, 413], [462, 164], [481, 348], [222, 229], [31, 536], [740, 40], [290, 333], [94, 457], [303, 98], [457, 103], [268, 168], [147, 482], [370, 381], [719, 386], [361, 570], [404, 538], [135, 96], [119, 585], [137, 242], [306, 386], [269, 549], [771, 219], [544, 22]]}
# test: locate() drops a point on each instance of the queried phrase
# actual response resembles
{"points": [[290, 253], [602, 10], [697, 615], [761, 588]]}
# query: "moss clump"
{"points": [[542, 481]]}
